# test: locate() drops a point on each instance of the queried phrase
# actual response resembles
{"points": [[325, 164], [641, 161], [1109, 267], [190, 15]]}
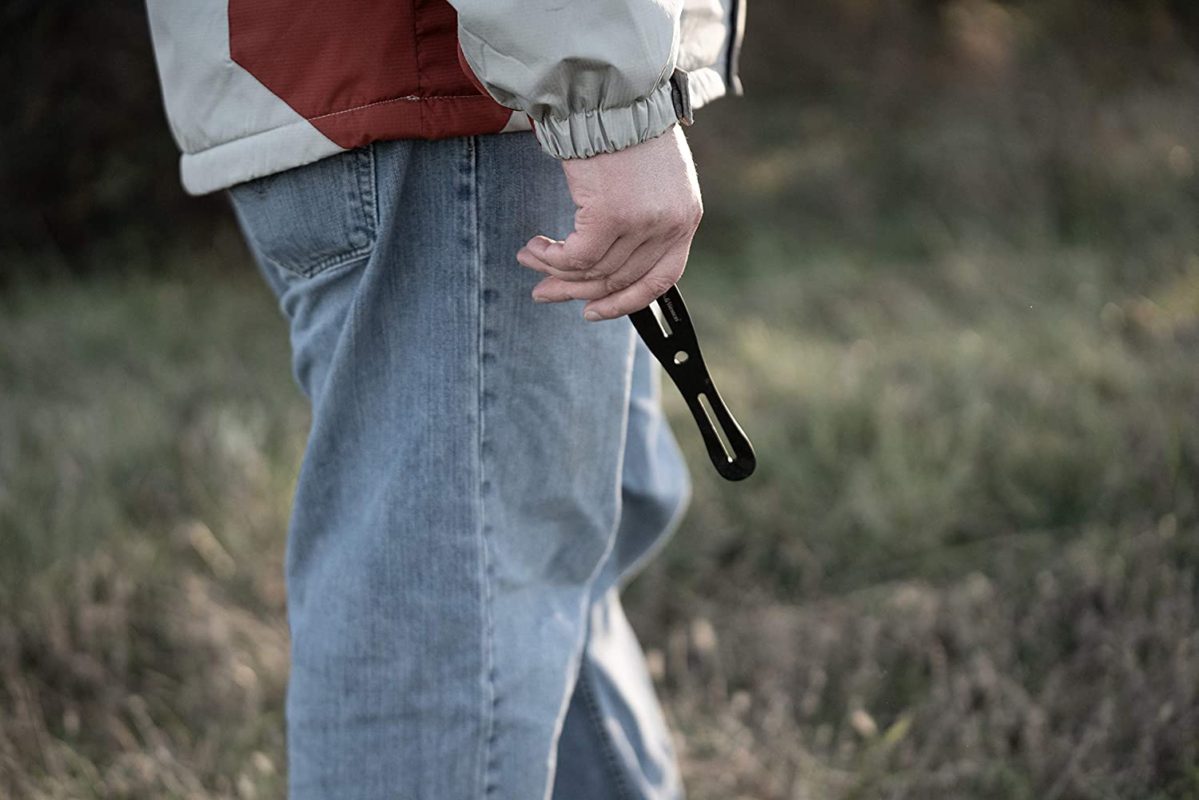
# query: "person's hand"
{"points": [[638, 209]]}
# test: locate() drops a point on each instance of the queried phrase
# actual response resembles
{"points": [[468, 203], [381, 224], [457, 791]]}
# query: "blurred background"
{"points": [[949, 281]]}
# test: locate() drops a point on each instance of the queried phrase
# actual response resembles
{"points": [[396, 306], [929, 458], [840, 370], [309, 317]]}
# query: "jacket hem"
{"points": [[579, 136], [254, 156]]}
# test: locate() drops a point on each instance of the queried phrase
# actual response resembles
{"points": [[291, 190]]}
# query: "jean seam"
{"points": [[611, 758], [321, 267], [610, 755], [369, 191], [487, 764]]}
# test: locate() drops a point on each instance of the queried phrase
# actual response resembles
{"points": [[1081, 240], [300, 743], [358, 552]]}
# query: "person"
{"points": [[483, 472]]}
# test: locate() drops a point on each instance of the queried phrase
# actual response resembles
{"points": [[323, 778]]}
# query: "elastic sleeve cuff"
{"points": [[587, 133]]}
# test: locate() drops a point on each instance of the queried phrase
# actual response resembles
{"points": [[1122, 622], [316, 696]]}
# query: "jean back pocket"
{"points": [[311, 218]]}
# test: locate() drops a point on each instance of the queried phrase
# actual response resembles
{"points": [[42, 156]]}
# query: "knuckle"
{"points": [[646, 216], [615, 283], [584, 259], [656, 285], [688, 217], [620, 217]]}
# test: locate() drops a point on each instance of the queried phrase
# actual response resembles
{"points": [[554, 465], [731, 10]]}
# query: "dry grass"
{"points": [[1076, 682], [951, 287], [146, 467], [967, 568]]}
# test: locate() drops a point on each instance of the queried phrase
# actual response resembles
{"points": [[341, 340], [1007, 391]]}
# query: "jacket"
{"points": [[254, 87]]}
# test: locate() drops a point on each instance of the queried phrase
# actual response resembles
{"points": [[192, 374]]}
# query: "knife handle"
{"points": [[665, 327], [737, 461]]}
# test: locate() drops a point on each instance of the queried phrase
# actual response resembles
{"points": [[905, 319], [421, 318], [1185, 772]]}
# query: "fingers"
{"points": [[582, 249], [557, 288], [603, 242], [618, 254], [654, 284], [653, 267]]}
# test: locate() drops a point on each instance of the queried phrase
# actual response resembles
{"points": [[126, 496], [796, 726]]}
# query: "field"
{"points": [[967, 567], [948, 280]]}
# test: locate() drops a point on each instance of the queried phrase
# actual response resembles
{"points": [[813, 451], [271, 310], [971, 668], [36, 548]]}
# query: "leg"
{"points": [[461, 486], [655, 483], [615, 744]]}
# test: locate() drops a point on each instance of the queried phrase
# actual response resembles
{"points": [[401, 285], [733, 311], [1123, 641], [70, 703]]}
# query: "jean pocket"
{"points": [[312, 218]]}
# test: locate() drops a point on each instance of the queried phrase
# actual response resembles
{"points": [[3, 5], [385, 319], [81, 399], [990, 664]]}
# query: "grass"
{"points": [[148, 444], [967, 567], [949, 282]]}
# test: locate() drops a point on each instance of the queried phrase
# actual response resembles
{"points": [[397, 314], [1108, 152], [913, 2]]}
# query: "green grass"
{"points": [[148, 438], [949, 282], [910, 410], [967, 567]]}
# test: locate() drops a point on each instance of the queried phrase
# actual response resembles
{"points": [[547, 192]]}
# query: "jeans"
{"points": [[481, 477]]}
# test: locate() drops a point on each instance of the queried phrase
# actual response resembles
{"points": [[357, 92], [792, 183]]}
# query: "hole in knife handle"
{"points": [[681, 357], [706, 404], [661, 318]]}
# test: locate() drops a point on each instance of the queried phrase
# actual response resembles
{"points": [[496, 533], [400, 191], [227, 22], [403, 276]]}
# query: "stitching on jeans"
{"points": [[370, 191], [487, 763], [326, 265], [597, 720], [589, 700]]}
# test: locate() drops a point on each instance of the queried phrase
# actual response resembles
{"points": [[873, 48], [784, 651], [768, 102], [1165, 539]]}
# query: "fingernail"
{"points": [[591, 316], [540, 298]]}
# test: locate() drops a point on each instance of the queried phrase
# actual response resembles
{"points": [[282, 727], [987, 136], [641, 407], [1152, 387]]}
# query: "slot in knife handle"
{"points": [[739, 462]]}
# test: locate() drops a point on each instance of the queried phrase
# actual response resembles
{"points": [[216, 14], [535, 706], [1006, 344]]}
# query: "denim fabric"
{"points": [[481, 476]]}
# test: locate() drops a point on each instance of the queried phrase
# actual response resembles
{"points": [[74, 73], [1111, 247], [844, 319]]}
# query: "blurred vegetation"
{"points": [[949, 280]]}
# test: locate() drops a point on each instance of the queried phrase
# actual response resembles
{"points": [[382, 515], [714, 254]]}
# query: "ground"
{"points": [[966, 567]]}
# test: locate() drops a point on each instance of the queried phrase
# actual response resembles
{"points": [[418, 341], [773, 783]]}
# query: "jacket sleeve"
{"points": [[593, 75]]}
